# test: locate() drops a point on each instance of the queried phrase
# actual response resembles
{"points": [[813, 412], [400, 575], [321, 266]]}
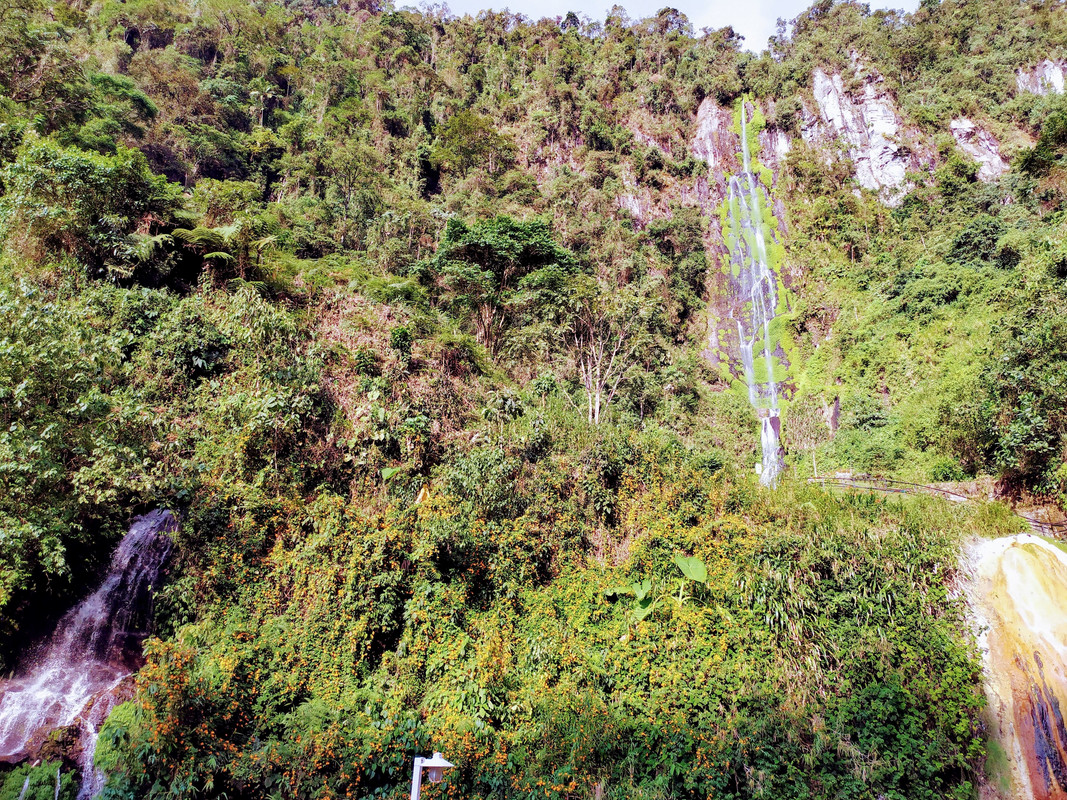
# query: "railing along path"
{"points": [[870, 483]]}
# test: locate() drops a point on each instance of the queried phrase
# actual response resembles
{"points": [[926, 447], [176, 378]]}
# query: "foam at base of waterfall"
{"points": [[95, 646]]}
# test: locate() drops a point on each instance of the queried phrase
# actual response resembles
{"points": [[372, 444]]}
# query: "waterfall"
{"points": [[1018, 591], [72, 678], [751, 264]]}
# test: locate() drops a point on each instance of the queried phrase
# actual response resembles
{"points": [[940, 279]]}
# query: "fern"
{"points": [[210, 239], [144, 247]]}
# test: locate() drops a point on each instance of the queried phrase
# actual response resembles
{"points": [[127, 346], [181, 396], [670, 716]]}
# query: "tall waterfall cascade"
{"points": [[73, 676], [750, 263], [1018, 592]]}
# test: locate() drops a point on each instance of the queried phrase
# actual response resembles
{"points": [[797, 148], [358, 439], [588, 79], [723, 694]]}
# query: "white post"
{"points": [[416, 778]]}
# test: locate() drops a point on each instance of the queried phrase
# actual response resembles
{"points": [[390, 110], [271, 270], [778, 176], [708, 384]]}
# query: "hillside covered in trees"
{"points": [[423, 326]]}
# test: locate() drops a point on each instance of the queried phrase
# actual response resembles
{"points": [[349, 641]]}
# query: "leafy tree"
{"points": [[977, 242], [92, 208], [37, 67], [354, 173], [468, 139], [116, 108], [1027, 385], [500, 268]]}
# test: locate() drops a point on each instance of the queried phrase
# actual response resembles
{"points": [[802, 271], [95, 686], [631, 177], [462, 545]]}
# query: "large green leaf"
{"points": [[693, 568], [642, 608], [641, 590]]}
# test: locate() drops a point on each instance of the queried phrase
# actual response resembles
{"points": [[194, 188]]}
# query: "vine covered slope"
{"points": [[425, 327]]}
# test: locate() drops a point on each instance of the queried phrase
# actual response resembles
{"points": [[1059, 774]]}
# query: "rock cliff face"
{"points": [[775, 145], [717, 144], [882, 149], [714, 140], [869, 127], [1044, 78], [643, 202], [980, 145], [855, 114]]}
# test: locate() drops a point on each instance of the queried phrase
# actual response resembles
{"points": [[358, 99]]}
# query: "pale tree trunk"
{"points": [[486, 321], [603, 349]]}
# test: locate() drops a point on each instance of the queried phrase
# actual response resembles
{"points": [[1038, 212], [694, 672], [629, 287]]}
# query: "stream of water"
{"points": [[1019, 593], [759, 297], [73, 676]]}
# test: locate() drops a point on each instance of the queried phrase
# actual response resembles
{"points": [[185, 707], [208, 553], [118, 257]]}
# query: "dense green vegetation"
{"points": [[950, 333], [404, 314]]}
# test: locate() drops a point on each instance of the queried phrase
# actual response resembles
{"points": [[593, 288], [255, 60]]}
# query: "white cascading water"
{"points": [[759, 295], [1018, 592], [96, 645]]}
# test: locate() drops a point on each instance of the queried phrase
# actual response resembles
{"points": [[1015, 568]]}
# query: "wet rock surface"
{"points": [[1018, 592], [72, 682]]}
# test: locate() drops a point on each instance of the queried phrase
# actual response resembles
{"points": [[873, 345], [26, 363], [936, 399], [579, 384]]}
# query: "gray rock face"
{"points": [[1044, 78], [632, 203], [775, 145], [980, 145], [714, 141], [645, 205], [868, 126], [647, 139]]}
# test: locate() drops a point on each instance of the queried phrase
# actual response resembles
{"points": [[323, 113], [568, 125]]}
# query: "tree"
{"points": [[37, 68], [469, 139], [116, 108], [500, 267], [63, 201], [355, 180], [607, 329], [1027, 389]]}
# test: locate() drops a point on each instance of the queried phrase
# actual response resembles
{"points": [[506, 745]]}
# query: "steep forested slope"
{"points": [[416, 320]]}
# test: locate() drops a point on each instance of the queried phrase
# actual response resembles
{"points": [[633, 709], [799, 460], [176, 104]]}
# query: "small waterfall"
{"points": [[751, 264], [1019, 594], [96, 645]]}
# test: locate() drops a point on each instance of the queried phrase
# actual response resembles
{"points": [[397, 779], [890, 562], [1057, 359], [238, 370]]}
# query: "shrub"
{"points": [[946, 469], [187, 343], [863, 413], [400, 339], [977, 242], [63, 201], [486, 479], [365, 361]]}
